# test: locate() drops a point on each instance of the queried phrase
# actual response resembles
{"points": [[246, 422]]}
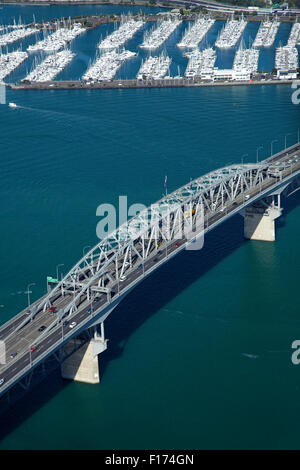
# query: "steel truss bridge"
{"points": [[118, 263]]}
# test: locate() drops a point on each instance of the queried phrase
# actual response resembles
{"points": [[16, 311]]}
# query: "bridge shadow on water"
{"points": [[146, 299]]}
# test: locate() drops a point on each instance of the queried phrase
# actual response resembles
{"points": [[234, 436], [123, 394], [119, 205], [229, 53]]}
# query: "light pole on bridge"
{"points": [[245, 155], [257, 150], [285, 139], [84, 248], [273, 142], [57, 267], [28, 292]]}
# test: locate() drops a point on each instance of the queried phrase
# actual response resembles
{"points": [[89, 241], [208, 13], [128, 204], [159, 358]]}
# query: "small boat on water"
{"points": [[12, 105]]}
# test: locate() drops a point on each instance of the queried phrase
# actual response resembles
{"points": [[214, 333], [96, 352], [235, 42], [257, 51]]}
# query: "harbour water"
{"points": [[200, 354]]}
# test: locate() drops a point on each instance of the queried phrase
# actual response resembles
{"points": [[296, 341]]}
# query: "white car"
{"points": [[73, 324], [122, 278], [1, 382]]}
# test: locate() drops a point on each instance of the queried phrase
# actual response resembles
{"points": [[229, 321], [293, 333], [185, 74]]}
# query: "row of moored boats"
{"points": [[49, 68], [159, 34], [231, 33], [106, 66], [266, 34]]}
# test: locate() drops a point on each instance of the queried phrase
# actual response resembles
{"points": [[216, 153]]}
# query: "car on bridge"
{"points": [[73, 324], [52, 309], [13, 355], [33, 348], [1, 382], [42, 328], [65, 323]]}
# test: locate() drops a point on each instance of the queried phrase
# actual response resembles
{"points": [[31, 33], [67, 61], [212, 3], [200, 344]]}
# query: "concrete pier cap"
{"points": [[259, 218], [83, 364]]}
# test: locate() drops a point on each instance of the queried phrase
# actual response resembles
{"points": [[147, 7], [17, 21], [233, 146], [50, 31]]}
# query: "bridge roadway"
{"points": [[98, 308]]}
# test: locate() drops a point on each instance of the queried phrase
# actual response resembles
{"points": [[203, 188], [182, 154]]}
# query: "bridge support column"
{"points": [[259, 219], [83, 365]]}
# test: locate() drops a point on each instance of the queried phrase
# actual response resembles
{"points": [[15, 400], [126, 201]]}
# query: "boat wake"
{"points": [[250, 356]]}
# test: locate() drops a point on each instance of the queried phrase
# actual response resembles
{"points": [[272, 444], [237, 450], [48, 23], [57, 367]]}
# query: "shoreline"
{"points": [[191, 11], [90, 2], [135, 84]]}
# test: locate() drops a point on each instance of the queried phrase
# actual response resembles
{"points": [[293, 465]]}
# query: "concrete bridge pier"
{"points": [[259, 219], [83, 365]]}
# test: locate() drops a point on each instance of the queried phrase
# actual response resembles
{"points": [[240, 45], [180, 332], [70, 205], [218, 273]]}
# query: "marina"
{"points": [[154, 68], [57, 40], [106, 66], [111, 55], [50, 67], [231, 33], [196, 32], [120, 36], [10, 61], [16, 35], [157, 36], [266, 34]]}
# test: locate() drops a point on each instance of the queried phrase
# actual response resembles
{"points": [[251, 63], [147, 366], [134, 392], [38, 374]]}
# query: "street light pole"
{"points": [[83, 251], [61, 264], [257, 150], [245, 155], [28, 292], [273, 142], [285, 139]]}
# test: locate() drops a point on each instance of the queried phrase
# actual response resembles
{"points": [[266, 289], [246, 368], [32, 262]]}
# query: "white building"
{"points": [[230, 74], [287, 74]]}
